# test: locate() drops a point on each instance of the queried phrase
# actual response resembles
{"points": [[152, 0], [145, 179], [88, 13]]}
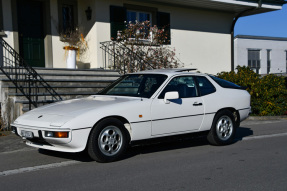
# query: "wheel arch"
{"points": [[125, 122], [235, 113]]}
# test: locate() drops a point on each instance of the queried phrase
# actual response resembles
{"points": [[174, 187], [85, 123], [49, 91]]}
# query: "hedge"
{"points": [[268, 93]]}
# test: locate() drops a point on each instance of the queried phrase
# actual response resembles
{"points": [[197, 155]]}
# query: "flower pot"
{"points": [[71, 56], [71, 59]]}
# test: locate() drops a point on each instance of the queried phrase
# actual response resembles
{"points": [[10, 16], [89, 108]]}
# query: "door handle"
{"points": [[197, 104]]}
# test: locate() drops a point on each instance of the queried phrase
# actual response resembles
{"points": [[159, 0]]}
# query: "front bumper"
{"points": [[75, 142]]}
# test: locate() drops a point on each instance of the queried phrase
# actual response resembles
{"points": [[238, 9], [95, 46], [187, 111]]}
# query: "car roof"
{"points": [[171, 71]]}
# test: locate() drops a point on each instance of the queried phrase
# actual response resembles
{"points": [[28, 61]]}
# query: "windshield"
{"points": [[135, 85]]}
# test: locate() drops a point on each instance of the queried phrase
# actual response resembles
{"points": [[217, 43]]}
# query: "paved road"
{"points": [[257, 161]]}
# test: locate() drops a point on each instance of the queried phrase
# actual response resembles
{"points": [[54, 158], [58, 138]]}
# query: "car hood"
{"points": [[57, 114]]}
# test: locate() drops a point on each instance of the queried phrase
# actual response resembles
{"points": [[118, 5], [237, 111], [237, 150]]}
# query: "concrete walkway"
{"points": [[11, 142]]}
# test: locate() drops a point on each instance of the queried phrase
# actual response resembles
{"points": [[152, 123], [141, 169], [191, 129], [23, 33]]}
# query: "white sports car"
{"points": [[138, 106]]}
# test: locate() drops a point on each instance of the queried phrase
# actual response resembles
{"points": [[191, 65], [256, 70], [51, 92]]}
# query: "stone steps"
{"points": [[68, 83]]}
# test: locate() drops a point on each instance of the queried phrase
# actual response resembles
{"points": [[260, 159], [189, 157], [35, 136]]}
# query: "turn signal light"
{"points": [[56, 134], [61, 134]]}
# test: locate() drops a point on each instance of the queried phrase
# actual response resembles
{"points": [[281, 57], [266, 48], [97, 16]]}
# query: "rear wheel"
{"points": [[223, 129], [108, 140]]}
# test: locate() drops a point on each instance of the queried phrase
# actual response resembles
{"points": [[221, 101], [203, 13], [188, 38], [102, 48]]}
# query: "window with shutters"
{"points": [[254, 60], [132, 13]]}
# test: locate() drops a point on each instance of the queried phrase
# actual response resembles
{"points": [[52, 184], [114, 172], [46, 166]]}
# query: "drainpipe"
{"points": [[233, 26]]}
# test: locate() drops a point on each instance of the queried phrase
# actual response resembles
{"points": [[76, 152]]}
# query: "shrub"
{"points": [[146, 43], [268, 93]]}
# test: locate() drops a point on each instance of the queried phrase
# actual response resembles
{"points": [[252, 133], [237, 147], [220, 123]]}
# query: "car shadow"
{"points": [[242, 132], [166, 145], [81, 156]]}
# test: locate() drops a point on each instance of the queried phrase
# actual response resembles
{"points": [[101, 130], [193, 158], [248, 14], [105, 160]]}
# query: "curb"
{"points": [[263, 118]]}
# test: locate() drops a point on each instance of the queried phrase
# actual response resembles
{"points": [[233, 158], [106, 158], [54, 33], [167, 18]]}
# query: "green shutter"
{"points": [[163, 21], [117, 17]]}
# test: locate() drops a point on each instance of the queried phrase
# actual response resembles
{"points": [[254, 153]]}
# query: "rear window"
{"points": [[225, 83]]}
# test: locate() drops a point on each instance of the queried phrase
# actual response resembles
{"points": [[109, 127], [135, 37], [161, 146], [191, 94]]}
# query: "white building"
{"points": [[263, 54], [200, 30]]}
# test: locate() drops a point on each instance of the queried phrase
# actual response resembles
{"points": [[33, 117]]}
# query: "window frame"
{"points": [[268, 60], [72, 3], [258, 62]]}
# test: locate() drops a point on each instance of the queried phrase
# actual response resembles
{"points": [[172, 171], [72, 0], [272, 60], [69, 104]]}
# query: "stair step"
{"points": [[47, 94], [69, 71], [65, 80], [38, 102]]}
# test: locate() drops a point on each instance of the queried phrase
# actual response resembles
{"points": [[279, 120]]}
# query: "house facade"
{"points": [[264, 55], [200, 31]]}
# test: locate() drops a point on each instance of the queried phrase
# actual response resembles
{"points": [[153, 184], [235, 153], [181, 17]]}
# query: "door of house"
{"points": [[31, 35]]}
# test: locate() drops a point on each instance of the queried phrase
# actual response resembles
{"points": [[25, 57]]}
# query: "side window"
{"points": [[205, 86], [184, 85]]}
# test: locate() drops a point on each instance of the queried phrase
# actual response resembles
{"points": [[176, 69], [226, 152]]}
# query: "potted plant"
{"points": [[75, 46]]}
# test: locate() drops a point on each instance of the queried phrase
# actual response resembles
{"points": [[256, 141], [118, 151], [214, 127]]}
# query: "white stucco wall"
{"points": [[278, 53], [201, 38]]}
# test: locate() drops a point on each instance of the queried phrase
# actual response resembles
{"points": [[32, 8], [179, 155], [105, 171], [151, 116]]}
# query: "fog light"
{"points": [[56, 134], [49, 134]]}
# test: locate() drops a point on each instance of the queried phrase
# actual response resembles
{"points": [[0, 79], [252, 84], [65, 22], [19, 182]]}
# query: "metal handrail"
{"points": [[24, 77]]}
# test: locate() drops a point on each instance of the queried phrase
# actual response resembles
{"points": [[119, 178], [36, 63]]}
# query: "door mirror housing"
{"points": [[170, 96]]}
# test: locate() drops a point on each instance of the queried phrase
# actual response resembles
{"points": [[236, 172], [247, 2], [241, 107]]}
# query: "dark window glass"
{"points": [[133, 16], [225, 83], [135, 85], [268, 61], [118, 16], [163, 22], [184, 85], [67, 18], [205, 86]]}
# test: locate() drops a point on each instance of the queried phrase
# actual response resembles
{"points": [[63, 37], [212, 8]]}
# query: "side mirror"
{"points": [[170, 95]]}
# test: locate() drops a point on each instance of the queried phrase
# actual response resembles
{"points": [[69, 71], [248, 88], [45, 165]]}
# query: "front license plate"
{"points": [[27, 134]]}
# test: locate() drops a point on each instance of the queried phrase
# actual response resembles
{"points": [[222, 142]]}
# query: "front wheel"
{"points": [[223, 129], [108, 140]]}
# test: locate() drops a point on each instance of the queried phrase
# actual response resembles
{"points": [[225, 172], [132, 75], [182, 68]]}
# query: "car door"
{"points": [[178, 115]]}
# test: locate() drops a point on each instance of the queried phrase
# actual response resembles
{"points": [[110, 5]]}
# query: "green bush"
{"points": [[268, 93]]}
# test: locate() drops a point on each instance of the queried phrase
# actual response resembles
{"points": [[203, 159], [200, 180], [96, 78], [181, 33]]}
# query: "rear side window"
{"points": [[225, 83], [205, 86]]}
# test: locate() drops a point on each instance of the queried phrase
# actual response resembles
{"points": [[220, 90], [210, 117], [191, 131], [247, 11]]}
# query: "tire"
{"points": [[223, 129], [108, 140]]}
